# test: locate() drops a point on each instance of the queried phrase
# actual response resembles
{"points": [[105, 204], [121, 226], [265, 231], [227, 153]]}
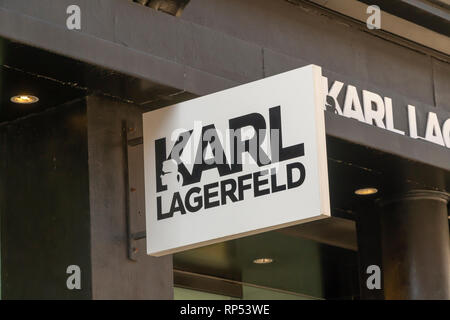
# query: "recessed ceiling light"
{"points": [[366, 191], [24, 99], [263, 260]]}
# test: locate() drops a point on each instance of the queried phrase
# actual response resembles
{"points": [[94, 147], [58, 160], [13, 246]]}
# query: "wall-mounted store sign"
{"points": [[235, 163], [373, 109]]}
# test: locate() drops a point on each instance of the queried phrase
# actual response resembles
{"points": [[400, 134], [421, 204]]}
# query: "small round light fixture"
{"points": [[366, 191], [263, 261], [24, 99]]}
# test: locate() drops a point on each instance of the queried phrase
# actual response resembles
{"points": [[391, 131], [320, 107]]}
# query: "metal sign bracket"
{"points": [[134, 191]]}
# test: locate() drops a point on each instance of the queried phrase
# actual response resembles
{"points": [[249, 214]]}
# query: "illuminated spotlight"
{"points": [[24, 99], [263, 261], [366, 191]]}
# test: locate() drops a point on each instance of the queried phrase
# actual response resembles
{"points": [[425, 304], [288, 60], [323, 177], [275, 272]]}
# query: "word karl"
{"points": [[171, 171]]}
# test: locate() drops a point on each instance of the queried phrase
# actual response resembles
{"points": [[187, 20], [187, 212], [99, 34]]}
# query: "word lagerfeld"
{"points": [[183, 176]]}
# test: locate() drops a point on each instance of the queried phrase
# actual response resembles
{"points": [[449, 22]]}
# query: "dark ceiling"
{"points": [[56, 79], [309, 259], [50, 93], [304, 267]]}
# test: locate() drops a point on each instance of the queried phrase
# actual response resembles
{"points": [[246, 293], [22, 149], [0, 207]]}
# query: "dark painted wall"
{"points": [[229, 42], [62, 202], [114, 275], [285, 35], [44, 200]]}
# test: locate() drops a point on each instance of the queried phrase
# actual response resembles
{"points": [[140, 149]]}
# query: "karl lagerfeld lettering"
{"points": [[369, 107], [170, 174], [234, 163]]}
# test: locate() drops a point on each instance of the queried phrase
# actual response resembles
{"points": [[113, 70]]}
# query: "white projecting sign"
{"points": [[235, 163]]}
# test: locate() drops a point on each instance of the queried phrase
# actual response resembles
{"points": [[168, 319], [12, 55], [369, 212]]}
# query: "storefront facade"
{"points": [[71, 188]]}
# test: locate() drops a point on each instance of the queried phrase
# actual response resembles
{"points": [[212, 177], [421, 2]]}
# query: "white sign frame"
{"points": [[300, 94]]}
